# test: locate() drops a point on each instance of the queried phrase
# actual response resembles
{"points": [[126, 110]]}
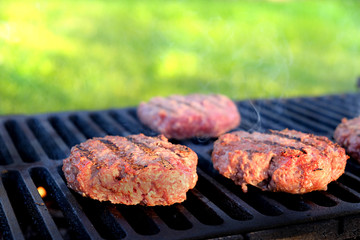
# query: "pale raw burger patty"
{"points": [[279, 161], [195, 115], [131, 170], [347, 134]]}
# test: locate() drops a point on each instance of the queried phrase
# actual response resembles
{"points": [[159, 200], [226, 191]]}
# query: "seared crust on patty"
{"points": [[279, 161], [131, 170], [347, 134], [195, 115]]}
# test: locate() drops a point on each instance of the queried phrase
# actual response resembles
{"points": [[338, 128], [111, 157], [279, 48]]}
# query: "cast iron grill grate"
{"points": [[32, 149]]}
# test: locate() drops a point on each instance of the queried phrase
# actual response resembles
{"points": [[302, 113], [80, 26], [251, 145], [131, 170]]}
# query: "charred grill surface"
{"points": [[32, 149]]}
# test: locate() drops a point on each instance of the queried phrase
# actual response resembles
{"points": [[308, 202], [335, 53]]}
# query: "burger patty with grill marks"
{"points": [[347, 134], [279, 161], [195, 115], [131, 170]]}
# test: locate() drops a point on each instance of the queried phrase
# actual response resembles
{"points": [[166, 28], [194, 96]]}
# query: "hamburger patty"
{"points": [[131, 170], [279, 161], [347, 134], [195, 115]]}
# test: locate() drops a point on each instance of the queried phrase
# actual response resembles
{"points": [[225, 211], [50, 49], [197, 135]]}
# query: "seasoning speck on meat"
{"points": [[131, 170], [195, 115], [279, 161]]}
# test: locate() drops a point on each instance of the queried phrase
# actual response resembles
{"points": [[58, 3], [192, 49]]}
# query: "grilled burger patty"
{"points": [[195, 115], [279, 161], [347, 134], [131, 170]]}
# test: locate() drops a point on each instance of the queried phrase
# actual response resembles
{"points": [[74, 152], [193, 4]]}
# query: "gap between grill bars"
{"points": [[32, 149]]}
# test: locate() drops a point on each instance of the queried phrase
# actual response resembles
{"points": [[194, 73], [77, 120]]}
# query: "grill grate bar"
{"points": [[291, 202], [86, 126], [29, 209], [21, 142], [51, 131], [107, 124], [350, 180], [324, 127], [351, 105], [5, 158], [342, 111], [321, 104], [205, 211], [101, 219], [299, 118], [68, 133], [323, 199], [343, 192], [223, 198], [33, 141], [14, 157], [173, 217], [10, 227], [139, 220], [129, 123], [247, 109], [271, 117], [59, 207], [320, 110], [5, 232], [317, 117], [253, 198], [72, 204], [162, 223], [41, 214], [47, 141]]}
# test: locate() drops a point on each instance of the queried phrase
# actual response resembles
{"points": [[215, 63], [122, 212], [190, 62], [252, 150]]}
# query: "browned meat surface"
{"points": [[131, 170], [195, 115], [280, 161], [347, 134]]}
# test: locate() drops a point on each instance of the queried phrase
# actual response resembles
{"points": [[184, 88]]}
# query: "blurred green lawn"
{"points": [[70, 55]]}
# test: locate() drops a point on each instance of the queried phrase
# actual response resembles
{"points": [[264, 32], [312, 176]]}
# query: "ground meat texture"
{"points": [[195, 115], [279, 161], [347, 134], [131, 170]]}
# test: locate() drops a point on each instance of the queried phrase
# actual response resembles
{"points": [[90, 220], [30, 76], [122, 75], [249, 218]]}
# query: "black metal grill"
{"points": [[32, 149]]}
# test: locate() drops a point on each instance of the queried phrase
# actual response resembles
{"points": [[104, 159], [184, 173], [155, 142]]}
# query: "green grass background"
{"points": [[71, 55]]}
